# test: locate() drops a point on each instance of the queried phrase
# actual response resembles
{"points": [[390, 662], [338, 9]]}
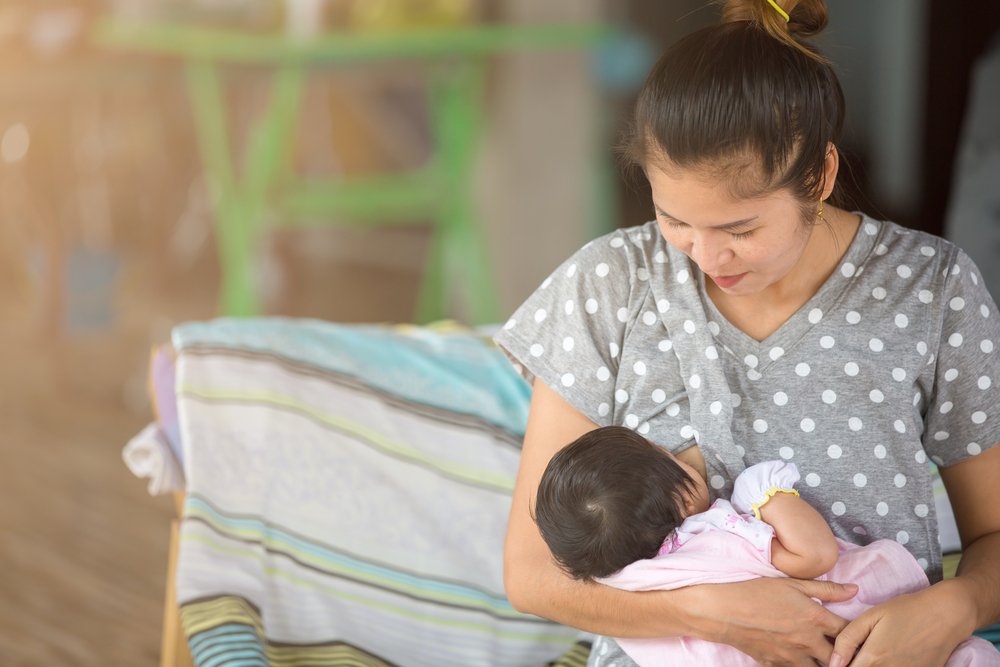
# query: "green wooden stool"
{"points": [[267, 192]]}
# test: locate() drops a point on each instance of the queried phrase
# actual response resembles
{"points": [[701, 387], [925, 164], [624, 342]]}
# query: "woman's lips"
{"points": [[727, 281]]}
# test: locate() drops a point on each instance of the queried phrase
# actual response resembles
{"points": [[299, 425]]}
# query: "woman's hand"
{"points": [[774, 621], [908, 630]]}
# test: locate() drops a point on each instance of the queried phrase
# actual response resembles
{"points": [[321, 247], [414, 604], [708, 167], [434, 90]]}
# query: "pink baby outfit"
{"points": [[729, 544]]}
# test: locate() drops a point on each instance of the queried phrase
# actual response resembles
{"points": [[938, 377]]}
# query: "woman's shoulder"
{"points": [[914, 261], [574, 331], [896, 242], [609, 267], [638, 245]]}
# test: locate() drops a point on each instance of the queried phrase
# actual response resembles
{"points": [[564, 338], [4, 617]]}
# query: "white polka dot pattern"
{"points": [[832, 390]]}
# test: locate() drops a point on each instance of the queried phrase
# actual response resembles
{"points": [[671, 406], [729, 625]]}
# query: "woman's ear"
{"points": [[831, 166]]}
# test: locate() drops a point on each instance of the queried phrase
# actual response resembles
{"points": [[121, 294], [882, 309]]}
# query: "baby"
{"points": [[612, 497], [615, 508]]}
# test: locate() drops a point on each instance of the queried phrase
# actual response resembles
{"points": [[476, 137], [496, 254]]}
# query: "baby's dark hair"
{"points": [[608, 499]]}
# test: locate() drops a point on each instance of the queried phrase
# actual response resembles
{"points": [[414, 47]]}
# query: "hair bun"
{"points": [[806, 18]]}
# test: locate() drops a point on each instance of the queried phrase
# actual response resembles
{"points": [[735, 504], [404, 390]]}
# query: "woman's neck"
{"points": [[760, 315]]}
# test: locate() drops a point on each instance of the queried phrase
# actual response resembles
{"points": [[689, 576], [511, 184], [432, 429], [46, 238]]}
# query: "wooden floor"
{"points": [[83, 547]]}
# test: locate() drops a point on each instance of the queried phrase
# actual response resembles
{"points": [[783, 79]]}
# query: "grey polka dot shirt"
{"points": [[890, 364]]}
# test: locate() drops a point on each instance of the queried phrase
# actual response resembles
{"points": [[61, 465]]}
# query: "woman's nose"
{"points": [[710, 252]]}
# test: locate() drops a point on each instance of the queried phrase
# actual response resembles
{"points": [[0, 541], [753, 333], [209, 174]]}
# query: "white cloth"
{"points": [[722, 516], [149, 455]]}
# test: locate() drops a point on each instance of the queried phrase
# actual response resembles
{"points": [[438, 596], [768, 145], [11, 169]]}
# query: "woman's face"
{"points": [[744, 246]]}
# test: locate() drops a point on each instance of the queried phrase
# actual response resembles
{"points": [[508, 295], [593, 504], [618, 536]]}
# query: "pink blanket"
{"points": [[882, 570]]}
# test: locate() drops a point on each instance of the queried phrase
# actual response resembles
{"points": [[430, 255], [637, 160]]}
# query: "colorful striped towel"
{"points": [[349, 486]]}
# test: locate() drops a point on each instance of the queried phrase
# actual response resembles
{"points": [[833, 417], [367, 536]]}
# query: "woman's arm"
{"points": [[922, 629], [772, 620], [534, 583], [804, 546]]}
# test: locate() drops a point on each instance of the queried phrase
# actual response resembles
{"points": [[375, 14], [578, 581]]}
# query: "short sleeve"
{"points": [[758, 484], [963, 414], [570, 332]]}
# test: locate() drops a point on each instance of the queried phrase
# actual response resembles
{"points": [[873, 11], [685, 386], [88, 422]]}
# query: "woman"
{"points": [[754, 320]]}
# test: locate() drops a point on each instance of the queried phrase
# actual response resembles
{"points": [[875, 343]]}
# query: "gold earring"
{"points": [[820, 213]]}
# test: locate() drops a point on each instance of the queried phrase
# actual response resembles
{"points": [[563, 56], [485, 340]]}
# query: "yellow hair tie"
{"points": [[780, 10]]}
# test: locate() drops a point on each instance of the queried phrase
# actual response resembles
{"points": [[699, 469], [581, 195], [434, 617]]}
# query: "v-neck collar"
{"points": [[759, 355]]}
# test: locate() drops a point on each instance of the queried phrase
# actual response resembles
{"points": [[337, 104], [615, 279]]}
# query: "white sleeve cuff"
{"points": [[758, 484]]}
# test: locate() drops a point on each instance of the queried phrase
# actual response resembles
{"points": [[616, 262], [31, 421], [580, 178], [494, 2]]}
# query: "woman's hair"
{"points": [[608, 499], [747, 101]]}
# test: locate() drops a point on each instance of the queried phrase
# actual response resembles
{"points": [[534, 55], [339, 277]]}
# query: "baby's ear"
{"points": [[690, 505]]}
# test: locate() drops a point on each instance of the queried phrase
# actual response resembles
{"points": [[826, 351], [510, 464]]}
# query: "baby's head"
{"points": [[611, 498]]}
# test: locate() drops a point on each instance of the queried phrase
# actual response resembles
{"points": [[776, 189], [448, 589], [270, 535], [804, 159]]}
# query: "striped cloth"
{"points": [[347, 495]]}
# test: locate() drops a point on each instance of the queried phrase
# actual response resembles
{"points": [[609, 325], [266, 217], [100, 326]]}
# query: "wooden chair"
{"points": [[174, 650]]}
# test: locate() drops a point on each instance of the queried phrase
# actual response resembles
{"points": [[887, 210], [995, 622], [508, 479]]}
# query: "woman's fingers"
{"points": [[776, 623], [910, 630], [851, 637], [829, 591]]}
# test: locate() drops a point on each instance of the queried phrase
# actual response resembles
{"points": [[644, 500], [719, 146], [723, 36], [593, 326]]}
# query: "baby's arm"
{"points": [[803, 545]]}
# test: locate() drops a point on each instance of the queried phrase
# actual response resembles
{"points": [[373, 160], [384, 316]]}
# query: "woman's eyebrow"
{"points": [[727, 226]]}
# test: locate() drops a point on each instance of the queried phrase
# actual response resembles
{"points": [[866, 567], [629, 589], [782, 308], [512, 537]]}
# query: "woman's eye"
{"points": [[743, 235]]}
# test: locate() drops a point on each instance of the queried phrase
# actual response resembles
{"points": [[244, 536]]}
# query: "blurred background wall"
{"points": [[107, 238]]}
